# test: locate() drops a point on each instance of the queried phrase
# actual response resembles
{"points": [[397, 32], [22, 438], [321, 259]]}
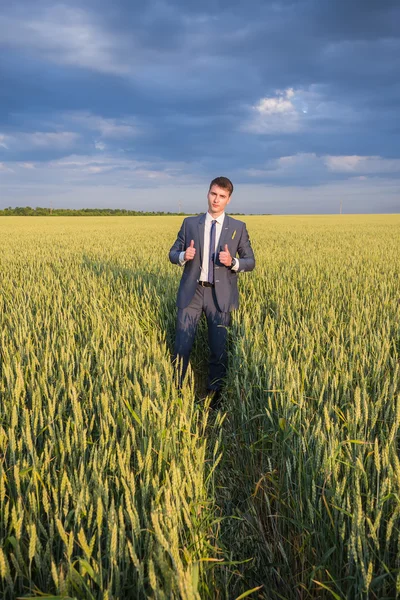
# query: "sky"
{"points": [[140, 104]]}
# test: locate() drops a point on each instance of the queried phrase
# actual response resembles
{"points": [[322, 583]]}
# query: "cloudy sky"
{"points": [[140, 104]]}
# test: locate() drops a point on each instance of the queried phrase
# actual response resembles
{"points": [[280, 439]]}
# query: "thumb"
{"points": [[226, 248], [191, 243]]}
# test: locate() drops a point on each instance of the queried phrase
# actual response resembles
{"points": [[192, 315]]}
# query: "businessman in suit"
{"points": [[206, 248]]}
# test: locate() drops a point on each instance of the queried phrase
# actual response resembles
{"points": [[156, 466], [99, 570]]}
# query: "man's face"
{"points": [[218, 198]]}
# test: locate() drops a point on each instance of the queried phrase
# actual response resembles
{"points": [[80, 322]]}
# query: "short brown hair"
{"points": [[222, 182]]}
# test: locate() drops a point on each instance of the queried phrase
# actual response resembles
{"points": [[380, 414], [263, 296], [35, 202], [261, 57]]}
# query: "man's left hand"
{"points": [[225, 257]]}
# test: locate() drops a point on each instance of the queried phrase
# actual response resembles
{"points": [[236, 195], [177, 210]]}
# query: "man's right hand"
{"points": [[190, 251]]}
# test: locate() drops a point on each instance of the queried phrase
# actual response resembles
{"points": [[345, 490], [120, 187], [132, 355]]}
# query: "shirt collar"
{"points": [[219, 220]]}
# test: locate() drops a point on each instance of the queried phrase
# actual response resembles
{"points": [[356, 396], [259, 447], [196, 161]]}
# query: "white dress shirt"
{"points": [[206, 245]]}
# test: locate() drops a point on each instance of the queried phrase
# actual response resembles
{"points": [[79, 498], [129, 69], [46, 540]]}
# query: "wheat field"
{"points": [[113, 485]]}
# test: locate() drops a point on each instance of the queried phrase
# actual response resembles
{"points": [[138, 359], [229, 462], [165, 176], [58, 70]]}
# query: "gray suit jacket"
{"points": [[234, 233]]}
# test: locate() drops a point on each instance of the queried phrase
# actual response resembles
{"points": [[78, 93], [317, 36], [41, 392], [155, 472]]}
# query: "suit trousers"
{"points": [[217, 321]]}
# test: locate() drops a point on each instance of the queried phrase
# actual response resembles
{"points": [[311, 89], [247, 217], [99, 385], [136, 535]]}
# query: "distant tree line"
{"points": [[27, 211]]}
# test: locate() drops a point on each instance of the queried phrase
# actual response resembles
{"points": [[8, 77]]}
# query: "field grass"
{"points": [[112, 485]]}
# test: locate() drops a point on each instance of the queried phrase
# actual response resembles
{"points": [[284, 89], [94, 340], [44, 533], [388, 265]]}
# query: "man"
{"points": [[206, 247]]}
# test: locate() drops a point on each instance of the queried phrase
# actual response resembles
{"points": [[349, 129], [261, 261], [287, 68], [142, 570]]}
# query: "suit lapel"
{"points": [[201, 224], [224, 237]]}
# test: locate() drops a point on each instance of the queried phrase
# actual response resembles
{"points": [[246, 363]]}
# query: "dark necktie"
{"points": [[211, 253]]}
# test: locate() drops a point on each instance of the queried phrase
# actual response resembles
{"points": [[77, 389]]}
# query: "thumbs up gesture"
{"points": [[225, 256], [190, 251]]}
